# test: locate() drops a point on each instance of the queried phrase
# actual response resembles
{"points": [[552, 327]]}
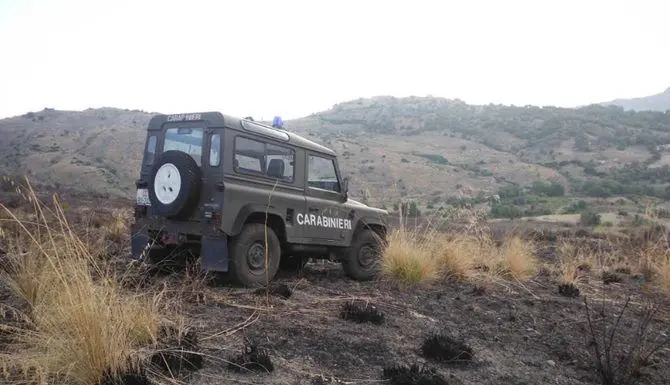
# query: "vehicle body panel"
{"points": [[250, 172]]}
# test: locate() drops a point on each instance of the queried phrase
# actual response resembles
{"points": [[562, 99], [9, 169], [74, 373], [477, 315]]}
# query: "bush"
{"points": [[550, 189], [578, 207], [501, 210], [618, 360], [589, 218]]}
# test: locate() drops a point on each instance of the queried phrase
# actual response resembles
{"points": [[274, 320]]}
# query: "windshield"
{"points": [[188, 140]]}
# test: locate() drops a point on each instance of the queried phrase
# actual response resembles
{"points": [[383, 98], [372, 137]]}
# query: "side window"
{"points": [[279, 162], [248, 155], [253, 156], [215, 150], [151, 149], [321, 174]]}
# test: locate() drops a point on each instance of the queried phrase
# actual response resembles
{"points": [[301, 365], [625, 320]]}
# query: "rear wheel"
{"points": [[361, 261], [248, 256]]}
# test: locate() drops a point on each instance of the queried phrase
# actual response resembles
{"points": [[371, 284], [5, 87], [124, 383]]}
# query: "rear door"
{"points": [[204, 144]]}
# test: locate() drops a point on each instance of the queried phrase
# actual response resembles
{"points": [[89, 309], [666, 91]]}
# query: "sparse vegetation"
{"points": [[589, 218], [361, 313], [441, 347], [620, 361], [421, 255], [252, 359], [456, 275], [413, 375], [78, 322], [408, 260]]}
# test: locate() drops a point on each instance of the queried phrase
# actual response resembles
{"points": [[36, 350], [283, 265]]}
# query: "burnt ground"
{"points": [[519, 334]]}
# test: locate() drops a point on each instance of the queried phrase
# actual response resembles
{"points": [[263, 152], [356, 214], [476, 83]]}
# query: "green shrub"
{"points": [[589, 218]]}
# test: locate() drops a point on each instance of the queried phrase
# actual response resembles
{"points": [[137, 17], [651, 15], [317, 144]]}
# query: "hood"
{"points": [[369, 209], [356, 203]]}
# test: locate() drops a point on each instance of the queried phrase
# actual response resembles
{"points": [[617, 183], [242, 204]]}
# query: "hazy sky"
{"points": [[292, 58]]}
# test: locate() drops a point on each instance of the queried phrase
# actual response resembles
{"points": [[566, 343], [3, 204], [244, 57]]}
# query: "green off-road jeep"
{"points": [[247, 199]]}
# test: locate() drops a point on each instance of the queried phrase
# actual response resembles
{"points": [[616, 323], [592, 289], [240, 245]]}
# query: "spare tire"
{"points": [[174, 185]]}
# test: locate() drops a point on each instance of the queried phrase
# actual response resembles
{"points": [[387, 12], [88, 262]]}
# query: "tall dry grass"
{"points": [[424, 254], [80, 324], [408, 259], [653, 262], [665, 275], [573, 262]]}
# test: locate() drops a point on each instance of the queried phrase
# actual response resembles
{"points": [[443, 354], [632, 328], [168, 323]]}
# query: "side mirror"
{"points": [[345, 189]]}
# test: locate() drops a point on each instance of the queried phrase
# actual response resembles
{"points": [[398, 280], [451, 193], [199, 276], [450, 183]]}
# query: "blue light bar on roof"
{"points": [[277, 122]]}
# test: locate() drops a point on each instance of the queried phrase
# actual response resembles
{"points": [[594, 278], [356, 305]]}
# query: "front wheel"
{"points": [[248, 250], [362, 259]]}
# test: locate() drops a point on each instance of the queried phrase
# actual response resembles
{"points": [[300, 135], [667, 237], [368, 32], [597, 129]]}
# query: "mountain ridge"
{"points": [[428, 149], [655, 102]]}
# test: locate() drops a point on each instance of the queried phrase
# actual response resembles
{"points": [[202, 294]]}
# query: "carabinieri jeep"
{"points": [[246, 199]]}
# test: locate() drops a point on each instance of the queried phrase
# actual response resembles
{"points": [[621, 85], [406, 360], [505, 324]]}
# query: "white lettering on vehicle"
{"points": [[183, 117], [323, 221]]}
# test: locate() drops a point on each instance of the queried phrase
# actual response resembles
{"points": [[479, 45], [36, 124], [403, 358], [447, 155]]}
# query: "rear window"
{"points": [[188, 140]]}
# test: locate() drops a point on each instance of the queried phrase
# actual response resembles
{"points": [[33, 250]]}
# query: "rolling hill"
{"points": [[428, 149], [656, 102]]}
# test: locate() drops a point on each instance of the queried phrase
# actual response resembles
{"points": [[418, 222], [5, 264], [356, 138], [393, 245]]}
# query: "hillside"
{"points": [[656, 102], [429, 149], [93, 150]]}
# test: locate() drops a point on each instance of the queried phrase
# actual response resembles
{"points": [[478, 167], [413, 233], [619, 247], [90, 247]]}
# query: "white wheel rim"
{"points": [[167, 183]]}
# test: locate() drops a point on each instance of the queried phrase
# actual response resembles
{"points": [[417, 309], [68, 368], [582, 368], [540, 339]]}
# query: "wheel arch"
{"points": [[379, 228], [252, 214]]}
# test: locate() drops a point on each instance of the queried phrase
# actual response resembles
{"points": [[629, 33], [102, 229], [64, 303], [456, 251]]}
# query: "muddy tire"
{"points": [[174, 185], [247, 256], [361, 261]]}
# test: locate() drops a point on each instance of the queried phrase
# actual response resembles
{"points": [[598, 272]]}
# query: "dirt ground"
{"points": [[519, 334]]}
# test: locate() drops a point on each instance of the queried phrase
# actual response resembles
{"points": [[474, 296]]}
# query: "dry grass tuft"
{"points": [[520, 258], [665, 275], [569, 272], [424, 255], [117, 230], [408, 260], [653, 262], [82, 326], [457, 256]]}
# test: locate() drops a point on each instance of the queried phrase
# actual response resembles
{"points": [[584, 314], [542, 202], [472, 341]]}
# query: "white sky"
{"points": [[292, 58]]}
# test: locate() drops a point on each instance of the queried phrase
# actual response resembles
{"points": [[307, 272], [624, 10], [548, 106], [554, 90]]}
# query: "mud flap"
{"points": [[214, 253], [139, 238]]}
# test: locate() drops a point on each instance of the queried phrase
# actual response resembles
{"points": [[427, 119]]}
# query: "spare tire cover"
{"points": [[174, 185]]}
